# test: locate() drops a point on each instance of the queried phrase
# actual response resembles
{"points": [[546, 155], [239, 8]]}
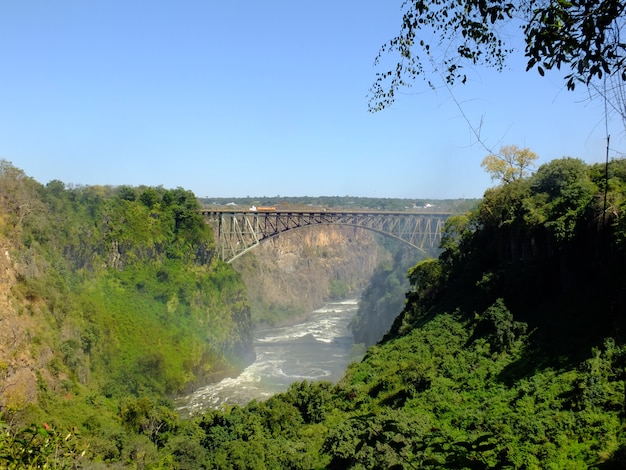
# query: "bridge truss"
{"points": [[237, 232]]}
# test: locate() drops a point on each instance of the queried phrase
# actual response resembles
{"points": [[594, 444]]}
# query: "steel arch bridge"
{"points": [[237, 232]]}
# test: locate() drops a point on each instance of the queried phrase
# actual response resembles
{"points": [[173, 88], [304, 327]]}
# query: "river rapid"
{"points": [[317, 349]]}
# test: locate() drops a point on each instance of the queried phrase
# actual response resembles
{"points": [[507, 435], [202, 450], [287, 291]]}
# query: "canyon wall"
{"points": [[290, 275]]}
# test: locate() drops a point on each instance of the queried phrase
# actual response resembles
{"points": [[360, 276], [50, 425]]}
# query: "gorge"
{"points": [[508, 351]]}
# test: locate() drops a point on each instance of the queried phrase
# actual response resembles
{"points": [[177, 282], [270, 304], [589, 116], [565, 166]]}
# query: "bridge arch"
{"points": [[386, 234], [238, 232]]}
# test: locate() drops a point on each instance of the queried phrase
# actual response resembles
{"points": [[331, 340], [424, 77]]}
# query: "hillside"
{"points": [[110, 292]]}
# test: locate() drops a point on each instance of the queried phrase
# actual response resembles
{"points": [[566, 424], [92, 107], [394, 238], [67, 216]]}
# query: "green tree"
{"points": [[583, 36], [512, 163], [19, 194], [563, 191], [497, 325], [457, 231], [427, 278]]}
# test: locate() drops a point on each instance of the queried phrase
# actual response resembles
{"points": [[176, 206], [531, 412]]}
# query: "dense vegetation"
{"points": [[509, 353], [123, 299]]}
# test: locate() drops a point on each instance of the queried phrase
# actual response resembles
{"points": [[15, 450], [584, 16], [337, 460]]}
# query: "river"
{"points": [[317, 349]]}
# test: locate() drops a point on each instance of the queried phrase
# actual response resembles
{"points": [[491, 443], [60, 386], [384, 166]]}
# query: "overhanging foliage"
{"points": [[440, 38]]}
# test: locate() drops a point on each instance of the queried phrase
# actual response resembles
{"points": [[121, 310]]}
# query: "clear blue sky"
{"points": [[257, 98]]}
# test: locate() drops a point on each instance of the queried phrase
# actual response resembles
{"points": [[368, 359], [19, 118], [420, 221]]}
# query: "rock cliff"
{"points": [[18, 383]]}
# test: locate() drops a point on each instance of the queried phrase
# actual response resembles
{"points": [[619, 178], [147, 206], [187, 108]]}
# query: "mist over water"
{"points": [[317, 349]]}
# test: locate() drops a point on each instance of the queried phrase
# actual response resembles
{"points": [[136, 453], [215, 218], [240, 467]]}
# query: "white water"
{"points": [[318, 349]]}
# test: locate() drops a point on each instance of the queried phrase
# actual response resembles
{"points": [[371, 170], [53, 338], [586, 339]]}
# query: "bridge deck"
{"points": [[325, 211]]}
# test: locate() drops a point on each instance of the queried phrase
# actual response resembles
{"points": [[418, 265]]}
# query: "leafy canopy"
{"points": [[440, 37], [512, 163]]}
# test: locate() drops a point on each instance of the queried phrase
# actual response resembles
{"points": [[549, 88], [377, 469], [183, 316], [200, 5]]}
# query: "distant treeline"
{"points": [[343, 203]]}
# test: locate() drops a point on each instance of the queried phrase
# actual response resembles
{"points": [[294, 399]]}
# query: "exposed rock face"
{"points": [[290, 275], [18, 383]]}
